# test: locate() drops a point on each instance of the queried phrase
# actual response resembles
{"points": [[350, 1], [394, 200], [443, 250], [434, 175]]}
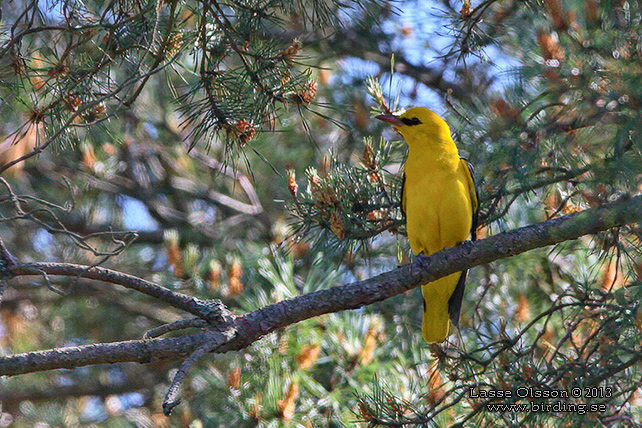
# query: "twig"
{"points": [[211, 310], [171, 400], [232, 173], [7, 261], [175, 326], [51, 287], [188, 186]]}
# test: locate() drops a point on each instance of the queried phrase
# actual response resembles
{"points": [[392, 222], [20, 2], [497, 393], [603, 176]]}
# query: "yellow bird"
{"points": [[440, 202]]}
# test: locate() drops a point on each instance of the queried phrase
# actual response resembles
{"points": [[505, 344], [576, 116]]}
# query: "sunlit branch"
{"points": [[257, 324]]}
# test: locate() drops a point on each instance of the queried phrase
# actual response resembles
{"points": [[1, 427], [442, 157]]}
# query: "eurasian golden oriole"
{"points": [[440, 202]]}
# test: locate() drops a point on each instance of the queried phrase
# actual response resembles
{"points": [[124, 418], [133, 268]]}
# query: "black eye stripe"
{"points": [[411, 122]]}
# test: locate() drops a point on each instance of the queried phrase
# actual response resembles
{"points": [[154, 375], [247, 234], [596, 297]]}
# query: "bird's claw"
{"points": [[422, 260]]}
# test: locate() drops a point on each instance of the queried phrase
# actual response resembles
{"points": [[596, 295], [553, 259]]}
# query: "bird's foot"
{"points": [[422, 260]]}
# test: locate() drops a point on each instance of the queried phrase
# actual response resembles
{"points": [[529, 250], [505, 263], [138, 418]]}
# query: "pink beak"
{"points": [[391, 119]]}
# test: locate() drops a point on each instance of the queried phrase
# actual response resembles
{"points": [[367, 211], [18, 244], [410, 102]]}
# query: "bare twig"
{"points": [[51, 287], [6, 258], [171, 401], [211, 310], [245, 183], [489, 217], [7, 261], [175, 326]]}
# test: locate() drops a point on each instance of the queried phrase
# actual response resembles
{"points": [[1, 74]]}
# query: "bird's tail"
{"points": [[436, 320]]}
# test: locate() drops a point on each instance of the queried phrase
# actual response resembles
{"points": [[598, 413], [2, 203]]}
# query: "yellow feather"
{"points": [[439, 200]]}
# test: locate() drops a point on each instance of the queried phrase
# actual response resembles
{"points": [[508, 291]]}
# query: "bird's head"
{"points": [[418, 124]]}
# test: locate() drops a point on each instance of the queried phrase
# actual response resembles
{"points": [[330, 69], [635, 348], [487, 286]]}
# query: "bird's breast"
{"points": [[438, 208]]}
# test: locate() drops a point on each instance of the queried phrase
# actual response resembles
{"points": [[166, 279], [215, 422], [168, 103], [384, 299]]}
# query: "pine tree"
{"points": [[224, 156]]}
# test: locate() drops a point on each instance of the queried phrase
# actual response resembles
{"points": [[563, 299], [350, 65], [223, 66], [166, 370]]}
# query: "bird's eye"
{"points": [[411, 122]]}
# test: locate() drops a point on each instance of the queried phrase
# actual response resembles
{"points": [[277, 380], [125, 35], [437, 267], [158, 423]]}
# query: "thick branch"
{"points": [[443, 263], [263, 321], [141, 351], [13, 396]]}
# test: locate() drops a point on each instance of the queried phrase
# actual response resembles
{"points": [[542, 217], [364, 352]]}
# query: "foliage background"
{"points": [[542, 96]]}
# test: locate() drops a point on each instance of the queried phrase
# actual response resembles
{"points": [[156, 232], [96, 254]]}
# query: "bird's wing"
{"points": [[454, 303], [474, 198], [403, 194]]}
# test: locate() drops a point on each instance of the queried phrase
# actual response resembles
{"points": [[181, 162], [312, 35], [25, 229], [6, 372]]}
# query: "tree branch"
{"points": [[345, 43], [209, 310], [243, 331], [11, 397]]}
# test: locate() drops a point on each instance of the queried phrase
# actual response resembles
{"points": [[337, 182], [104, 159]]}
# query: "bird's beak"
{"points": [[391, 119]]}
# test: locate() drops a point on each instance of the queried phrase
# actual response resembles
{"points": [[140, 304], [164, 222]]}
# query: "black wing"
{"points": [[403, 194], [474, 197]]}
